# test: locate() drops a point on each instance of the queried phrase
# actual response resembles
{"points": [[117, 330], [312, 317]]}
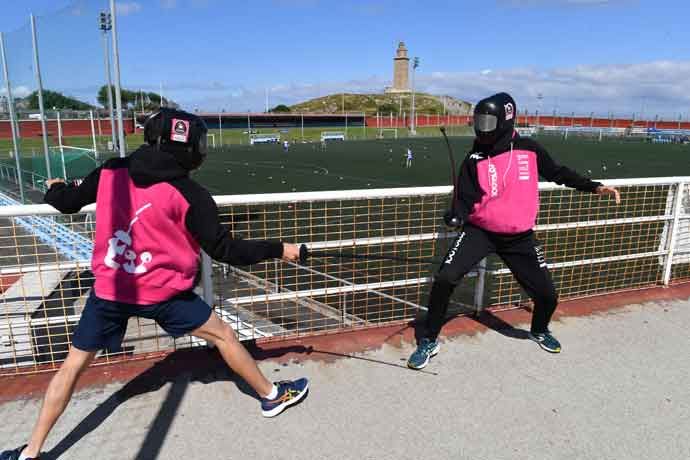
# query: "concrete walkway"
{"points": [[620, 390]]}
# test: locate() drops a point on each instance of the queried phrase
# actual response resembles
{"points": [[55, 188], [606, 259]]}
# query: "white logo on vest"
{"points": [[119, 245], [493, 180]]}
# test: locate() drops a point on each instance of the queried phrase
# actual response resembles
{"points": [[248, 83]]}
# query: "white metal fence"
{"points": [[593, 247]]}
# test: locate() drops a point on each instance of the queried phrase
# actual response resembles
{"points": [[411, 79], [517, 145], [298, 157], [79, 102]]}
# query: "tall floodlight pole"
{"points": [[62, 150], [364, 125], [98, 117], [37, 70], [59, 128], [93, 136], [118, 92], [105, 24], [10, 108], [415, 64], [220, 127]]}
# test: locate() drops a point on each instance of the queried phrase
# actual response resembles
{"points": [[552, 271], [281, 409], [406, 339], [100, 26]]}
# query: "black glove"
{"points": [[452, 219]]}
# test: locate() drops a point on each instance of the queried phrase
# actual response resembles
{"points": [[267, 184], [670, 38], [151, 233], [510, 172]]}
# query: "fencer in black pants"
{"points": [[521, 253], [494, 207]]}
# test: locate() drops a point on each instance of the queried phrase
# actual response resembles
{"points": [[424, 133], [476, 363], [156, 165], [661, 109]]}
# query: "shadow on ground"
{"points": [[486, 318], [179, 369]]}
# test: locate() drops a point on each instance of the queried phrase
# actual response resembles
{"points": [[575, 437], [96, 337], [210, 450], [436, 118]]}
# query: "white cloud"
{"points": [[168, 4], [17, 91], [127, 8], [213, 94], [21, 91], [658, 87]]}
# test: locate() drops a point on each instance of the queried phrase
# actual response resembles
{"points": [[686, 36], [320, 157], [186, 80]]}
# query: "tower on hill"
{"points": [[401, 71]]}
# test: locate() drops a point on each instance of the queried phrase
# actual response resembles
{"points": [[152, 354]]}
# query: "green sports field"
{"points": [[34, 145], [375, 163], [380, 163]]}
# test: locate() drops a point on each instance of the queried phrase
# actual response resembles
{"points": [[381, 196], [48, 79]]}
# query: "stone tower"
{"points": [[401, 71]]}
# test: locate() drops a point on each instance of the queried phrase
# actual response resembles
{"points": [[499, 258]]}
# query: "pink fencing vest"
{"points": [[510, 181], [143, 253]]}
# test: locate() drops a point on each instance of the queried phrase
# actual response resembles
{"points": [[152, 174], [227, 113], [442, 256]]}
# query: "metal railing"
{"points": [[33, 180], [593, 247]]}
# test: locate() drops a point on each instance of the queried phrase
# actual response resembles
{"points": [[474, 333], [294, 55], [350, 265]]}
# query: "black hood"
{"points": [[148, 166]]}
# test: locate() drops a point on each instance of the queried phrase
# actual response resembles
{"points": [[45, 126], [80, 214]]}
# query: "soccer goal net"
{"points": [[268, 138], [388, 133], [332, 136], [69, 163], [583, 132]]}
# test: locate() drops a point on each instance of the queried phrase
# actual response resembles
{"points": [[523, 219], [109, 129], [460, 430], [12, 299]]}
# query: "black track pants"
{"points": [[521, 253]]}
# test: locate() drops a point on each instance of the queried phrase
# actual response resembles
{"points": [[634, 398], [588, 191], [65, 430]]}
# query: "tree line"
{"points": [[131, 100]]}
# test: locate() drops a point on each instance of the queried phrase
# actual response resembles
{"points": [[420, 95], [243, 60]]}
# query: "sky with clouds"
{"points": [[619, 56]]}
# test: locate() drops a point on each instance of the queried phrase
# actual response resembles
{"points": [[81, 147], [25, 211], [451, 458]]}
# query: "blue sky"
{"points": [[581, 55]]}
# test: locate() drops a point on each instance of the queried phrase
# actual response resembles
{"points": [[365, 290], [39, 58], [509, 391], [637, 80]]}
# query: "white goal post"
{"points": [[332, 136], [383, 131], [266, 138]]}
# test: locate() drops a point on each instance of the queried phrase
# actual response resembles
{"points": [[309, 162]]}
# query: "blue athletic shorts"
{"points": [[103, 323]]}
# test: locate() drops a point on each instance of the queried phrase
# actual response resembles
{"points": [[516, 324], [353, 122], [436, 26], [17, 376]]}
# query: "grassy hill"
{"points": [[383, 103]]}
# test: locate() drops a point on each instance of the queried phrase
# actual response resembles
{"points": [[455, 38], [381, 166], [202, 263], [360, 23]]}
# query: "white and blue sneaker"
{"points": [[421, 356], [289, 393], [547, 341]]}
